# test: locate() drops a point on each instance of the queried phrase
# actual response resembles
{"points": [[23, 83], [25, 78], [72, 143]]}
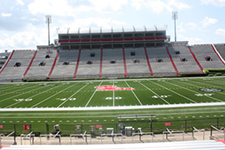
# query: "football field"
{"points": [[86, 103], [98, 93]]}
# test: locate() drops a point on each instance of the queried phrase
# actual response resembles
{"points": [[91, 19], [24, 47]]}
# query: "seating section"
{"points": [[89, 65], [169, 60], [163, 67], [136, 62], [202, 52], [41, 65], [13, 71], [63, 71], [112, 63], [183, 59]]}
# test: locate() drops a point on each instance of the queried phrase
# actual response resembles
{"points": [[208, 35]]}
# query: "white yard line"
{"points": [[92, 95], [73, 95], [196, 92], [154, 93], [20, 94], [52, 96], [113, 95], [113, 108], [174, 92], [134, 94]]}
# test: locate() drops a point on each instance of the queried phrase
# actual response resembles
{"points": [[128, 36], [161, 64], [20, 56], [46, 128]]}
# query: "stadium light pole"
{"points": [[175, 17], [48, 21]]}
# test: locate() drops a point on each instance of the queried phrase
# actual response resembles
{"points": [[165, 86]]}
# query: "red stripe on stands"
{"points": [[78, 60], [196, 59], [30, 64], [100, 72], [221, 141], [53, 65], [221, 59], [149, 66], [7, 61], [171, 59], [124, 60]]}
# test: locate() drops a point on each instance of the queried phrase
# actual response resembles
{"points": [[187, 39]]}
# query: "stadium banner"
{"points": [[97, 126], [26, 127], [1, 126], [167, 124]]}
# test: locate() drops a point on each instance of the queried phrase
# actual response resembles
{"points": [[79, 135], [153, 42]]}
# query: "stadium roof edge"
{"points": [[109, 30]]}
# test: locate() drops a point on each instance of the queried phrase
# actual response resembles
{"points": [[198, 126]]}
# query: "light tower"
{"points": [[175, 17], [48, 21]]}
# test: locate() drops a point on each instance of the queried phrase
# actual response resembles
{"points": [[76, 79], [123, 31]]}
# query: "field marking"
{"points": [[92, 95], [174, 92], [195, 91], [72, 95], [53, 95], [33, 96], [154, 93], [113, 95], [134, 94], [18, 94]]}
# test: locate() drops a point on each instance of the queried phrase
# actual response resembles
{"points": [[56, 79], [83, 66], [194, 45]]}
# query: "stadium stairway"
{"points": [[171, 59], [149, 65]]}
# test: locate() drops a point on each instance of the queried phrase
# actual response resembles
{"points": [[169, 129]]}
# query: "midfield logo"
{"points": [[111, 88]]}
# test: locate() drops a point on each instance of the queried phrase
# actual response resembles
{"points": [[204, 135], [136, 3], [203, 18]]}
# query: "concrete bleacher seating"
{"points": [[202, 51], [128, 62], [113, 69], [16, 73], [189, 66], [65, 71], [164, 68], [41, 72], [221, 49], [136, 69], [86, 70]]}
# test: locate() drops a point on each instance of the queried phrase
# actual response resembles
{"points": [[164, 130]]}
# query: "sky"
{"points": [[23, 22]]}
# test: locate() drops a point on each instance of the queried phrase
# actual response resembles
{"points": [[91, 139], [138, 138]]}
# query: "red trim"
{"points": [[196, 59], [85, 40], [118, 39], [74, 41], [149, 38], [53, 65], [63, 41], [221, 59], [171, 59], [95, 40], [139, 39], [124, 60], [106, 40], [78, 60], [221, 141], [100, 72], [128, 39], [7, 61], [149, 66], [160, 38], [30, 64]]}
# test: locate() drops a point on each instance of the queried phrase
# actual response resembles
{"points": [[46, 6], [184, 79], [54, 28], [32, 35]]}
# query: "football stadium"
{"points": [[113, 87]]}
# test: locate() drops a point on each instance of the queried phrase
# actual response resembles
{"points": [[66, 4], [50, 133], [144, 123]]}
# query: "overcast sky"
{"points": [[22, 22]]}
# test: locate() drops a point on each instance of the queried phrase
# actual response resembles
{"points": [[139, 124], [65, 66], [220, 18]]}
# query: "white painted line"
{"points": [[154, 93], [72, 95], [134, 94], [175, 92], [52, 96], [92, 96]]}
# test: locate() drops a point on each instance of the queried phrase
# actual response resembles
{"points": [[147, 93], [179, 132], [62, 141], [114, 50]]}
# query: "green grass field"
{"points": [[113, 93]]}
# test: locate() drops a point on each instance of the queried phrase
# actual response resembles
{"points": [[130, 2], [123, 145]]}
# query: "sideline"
{"points": [[112, 107]]}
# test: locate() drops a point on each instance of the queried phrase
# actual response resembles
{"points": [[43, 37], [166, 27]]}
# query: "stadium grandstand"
{"points": [[111, 54]]}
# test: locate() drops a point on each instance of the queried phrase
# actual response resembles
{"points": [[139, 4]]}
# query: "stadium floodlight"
{"points": [[68, 29], [175, 17], [48, 21]]}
